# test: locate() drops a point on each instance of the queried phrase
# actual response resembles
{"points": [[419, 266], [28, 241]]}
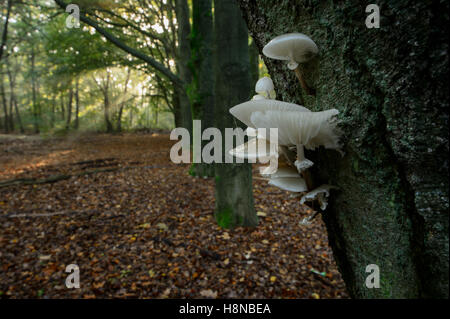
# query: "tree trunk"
{"points": [[19, 120], [11, 98], [4, 102], [63, 112], [77, 103], [184, 55], [69, 107], [34, 93], [202, 99], [5, 29], [52, 115], [177, 116], [254, 65], [105, 90], [155, 116], [234, 197], [122, 104], [391, 88]]}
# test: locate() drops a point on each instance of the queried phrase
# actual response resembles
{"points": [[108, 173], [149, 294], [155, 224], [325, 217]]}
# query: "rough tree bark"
{"points": [[391, 88], [234, 197], [183, 57], [202, 88]]}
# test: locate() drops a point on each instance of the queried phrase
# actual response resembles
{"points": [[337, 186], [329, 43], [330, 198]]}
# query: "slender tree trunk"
{"points": [[234, 197], [202, 99], [11, 97], [11, 112], [34, 93], [391, 208], [77, 103], [5, 29], [19, 120], [177, 116], [254, 64], [155, 115], [52, 115], [184, 55], [69, 107], [63, 112], [4, 102], [122, 104], [109, 126]]}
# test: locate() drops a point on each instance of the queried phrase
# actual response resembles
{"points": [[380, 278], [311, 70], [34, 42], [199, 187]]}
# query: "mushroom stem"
{"points": [[300, 152], [308, 90], [305, 174]]}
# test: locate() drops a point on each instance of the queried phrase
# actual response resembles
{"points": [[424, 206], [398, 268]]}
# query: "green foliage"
{"points": [[61, 55]]}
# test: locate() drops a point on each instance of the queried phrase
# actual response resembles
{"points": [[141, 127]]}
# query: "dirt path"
{"points": [[147, 231]]}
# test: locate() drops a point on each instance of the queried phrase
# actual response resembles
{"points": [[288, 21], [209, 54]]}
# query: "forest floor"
{"points": [[138, 226]]}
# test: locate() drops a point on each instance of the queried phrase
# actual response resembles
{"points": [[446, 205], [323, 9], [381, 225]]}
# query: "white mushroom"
{"points": [[291, 184], [265, 87], [283, 172], [321, 193], [244, 110], [300, 129], [258, 97], [295, 48], [253, 150]]}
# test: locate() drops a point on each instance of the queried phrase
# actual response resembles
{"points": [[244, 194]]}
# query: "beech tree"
{"points": [[234, 197], [390, 85]]}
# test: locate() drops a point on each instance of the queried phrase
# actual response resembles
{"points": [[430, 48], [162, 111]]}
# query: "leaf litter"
{"points": [[142, 227]]}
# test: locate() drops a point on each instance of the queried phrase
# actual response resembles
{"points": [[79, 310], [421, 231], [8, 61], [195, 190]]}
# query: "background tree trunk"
{"points": [[11, 97], [19, 120], [391, 88], [69, 106], [77, 103], [234, 197], [202, 95], [4, 102], [254, 65], [184, 55], [109, 126], [63, 112], [52, 115], [36, 117], [122, 104]]}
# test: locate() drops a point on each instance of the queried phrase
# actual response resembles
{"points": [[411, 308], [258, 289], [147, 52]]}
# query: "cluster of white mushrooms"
{"points": [[298, 127]]}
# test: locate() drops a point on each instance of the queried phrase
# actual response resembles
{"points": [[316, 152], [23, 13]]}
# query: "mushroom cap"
{"points": [[244, 110], [310, 129], [295, 47], [291, 184], [264, 84], [320, 193], [254, 150], [283, 172], [258, 97]]}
